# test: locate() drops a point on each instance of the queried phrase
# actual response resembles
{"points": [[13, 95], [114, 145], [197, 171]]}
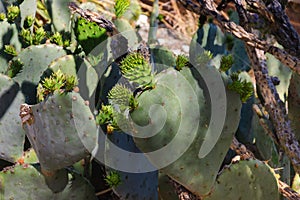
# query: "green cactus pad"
{"points": [[166, 190], [26, 182], [244, 180], [127, 31], [12, 136], [162, 58], [66, 64], [30, 157], [132, 14], [63, 130], [36, 60], [134, 186], [282, 72], [60, 15], [89, 34], [264, 143], [27, 8], [198, 175], [8, 36]]}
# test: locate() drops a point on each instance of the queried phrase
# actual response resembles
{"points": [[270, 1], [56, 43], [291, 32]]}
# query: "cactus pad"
{"points": [[251, 179], [12, 136], [26, 182], [62, 130], [198, 175]]}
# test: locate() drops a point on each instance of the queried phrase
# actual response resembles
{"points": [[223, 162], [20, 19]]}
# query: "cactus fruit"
{"points": [[137, 70], [120, 7], [12, 136], [73, 137], [261, 182]]}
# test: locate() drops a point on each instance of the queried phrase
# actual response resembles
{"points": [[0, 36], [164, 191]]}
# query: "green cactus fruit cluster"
{"points": [[120, 7], [226, 63], [73, 137], [26, 182], [113, 179], [260, 178], [114, 116], [181, 62], [56, 83], [12, 136], [242, 87], [136, 69], [9, 49], [12, 13], [121, 96]]}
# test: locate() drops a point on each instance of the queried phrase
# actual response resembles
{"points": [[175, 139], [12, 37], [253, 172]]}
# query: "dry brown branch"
{"points": [[250, 39]]}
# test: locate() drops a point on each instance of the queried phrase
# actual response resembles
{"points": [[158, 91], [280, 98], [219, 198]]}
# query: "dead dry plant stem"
{"points": [[208, 8], [272, 102]]}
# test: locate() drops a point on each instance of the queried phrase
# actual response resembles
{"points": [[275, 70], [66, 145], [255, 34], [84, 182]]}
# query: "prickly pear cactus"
{"points": [[260, 178], [26, 182], [27, 8], [66, 64], [182, 110], [165, 188], [60, 14], [8, 36], [12, 136], [89, 34], [145, 182], [35, 60], [73, 137]]}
